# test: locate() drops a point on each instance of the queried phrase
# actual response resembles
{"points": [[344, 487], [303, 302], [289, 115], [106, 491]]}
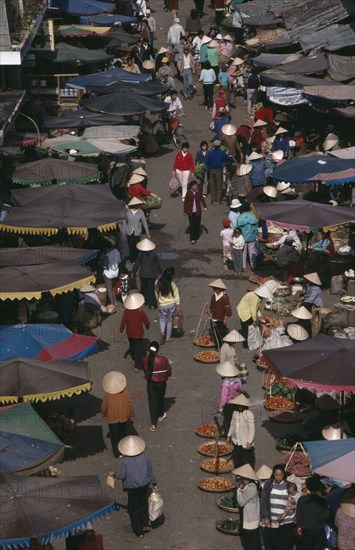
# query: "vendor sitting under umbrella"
{"points": [[136, 190], [313, 293]]}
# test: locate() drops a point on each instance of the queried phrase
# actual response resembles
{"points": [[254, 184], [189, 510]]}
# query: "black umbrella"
{"points": [[123, 103], [35, 255], [82, 119], [119, 37], [47, 171], [150, 88]]}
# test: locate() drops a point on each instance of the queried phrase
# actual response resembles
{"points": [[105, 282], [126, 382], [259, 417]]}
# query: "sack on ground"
{"points": [[174, 183], [178, 320], [254, 337], [155, 506]]}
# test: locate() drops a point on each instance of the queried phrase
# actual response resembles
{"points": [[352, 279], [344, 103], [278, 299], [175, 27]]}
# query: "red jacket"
{"points": [[189, 201], [137, 190], [184, 162], [133, 321], [161, 369]]}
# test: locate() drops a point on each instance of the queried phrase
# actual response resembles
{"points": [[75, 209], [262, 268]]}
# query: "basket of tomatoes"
{"points": [[207, 357], [278, 403]]}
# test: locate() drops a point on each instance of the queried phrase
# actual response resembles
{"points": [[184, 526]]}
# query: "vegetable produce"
{"points": [[288, 440], [217, 465], [279, 389], [229, 526], [153, 202], [229, 501], [209, 448], [297, 463], [279, 403]]}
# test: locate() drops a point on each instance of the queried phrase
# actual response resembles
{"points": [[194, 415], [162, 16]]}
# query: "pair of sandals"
{"points": [[160, 419]]}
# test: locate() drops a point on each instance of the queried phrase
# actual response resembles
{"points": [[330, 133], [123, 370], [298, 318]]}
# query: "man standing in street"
{"points": [[194, 202], [175, 32], [186, 67], [214, 163]]}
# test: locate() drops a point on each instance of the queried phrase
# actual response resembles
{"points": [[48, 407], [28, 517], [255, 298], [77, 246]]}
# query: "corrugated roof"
{"points": [[316, 14], [331, 38]]}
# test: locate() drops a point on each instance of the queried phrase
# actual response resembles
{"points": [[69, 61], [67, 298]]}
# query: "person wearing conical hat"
{"points": [[259, 134], [313, 293], [117, 407], [345, 520], [136, 473], [149, 267], [220, 309], [135, 224], [135, 188], [230, 387], [281, 142], [133, 320], [230, 140], [248, 310], [249, 502], [242, 432]]}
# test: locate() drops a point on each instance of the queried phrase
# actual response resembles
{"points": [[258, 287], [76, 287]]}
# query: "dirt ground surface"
{"points": [[194, 388]]}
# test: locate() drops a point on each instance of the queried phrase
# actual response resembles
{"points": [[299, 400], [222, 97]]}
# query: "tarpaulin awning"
{"points": [[27, 444], [106, 78], [306, 65], [328, 169], [285, 96], [48, 508], [118, 37], [66, 53], [334, 459], [45, 255], [347, 153], [49, 170], [122, 104], [83, 7], [283, 78], [335, 93], [323, 363], [304, 215], [77, 31], [271, 59], [91, 148], [45, 210], [332, 37], [114, 132], [108, 19], [341, 67], [346, 112], [44, 342], [82, 119], [31, 281], [32, 380], [23, 139]]}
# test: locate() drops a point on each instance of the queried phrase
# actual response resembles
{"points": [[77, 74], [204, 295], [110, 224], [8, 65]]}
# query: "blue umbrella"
{"points": [[83, 7], [328, 169], [334, 459], [107, 20], [106, 78]]}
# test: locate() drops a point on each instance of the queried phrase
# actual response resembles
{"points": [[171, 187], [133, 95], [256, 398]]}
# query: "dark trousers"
{"points": [[280, 538], [194, 226], [132, 245], [244, 330], [147, 289], [239, 35], [219, 329], [117, 432], [216, 177], [208, 95], [136, 351], [199, 4], [227, 416], [243, 456], [138, 508], [313, 539], [156, 393], [218, 17], [250, 539]]}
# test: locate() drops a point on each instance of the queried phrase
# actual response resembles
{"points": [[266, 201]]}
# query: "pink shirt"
{"points": [[230, 390], [226, 235]]}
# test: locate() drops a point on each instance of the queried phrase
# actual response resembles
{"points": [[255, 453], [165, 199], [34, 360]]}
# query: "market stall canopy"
{"points": [[45, 255], [23, 139], [66, 53], [44, 342], [32, 380], [77, 31], [27, 444], [118, 37], [31, 281], [29, 509], [341, 67], [346, 112], [48, 171], [82, 119], [122, 104], [283, 78], [334, 459], [74, 207], [327, 169], [337, 93], [273, 59], [304, 215], [149, 88], [323, 363], [347, 153], [108, 19], [89, 147], [111, 132], [105, 78], [306, 65], [83, 7]]}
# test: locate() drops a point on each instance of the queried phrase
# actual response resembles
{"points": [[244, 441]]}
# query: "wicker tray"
{"points": [[198, 358], [231, 485], [229, 446], [293, 416], [226, 531], [212, 426], [226, 508], [201, 345], [226, 466]]}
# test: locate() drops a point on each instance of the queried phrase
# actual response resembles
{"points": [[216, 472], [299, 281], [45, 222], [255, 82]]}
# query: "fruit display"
{"points": [[208, 430], [271, 379], [228, 526], [288, 440], [208, 449], [284, 307], [297, 463], [279, 389], [228, 503], [205, 342], [217, 465], [216, 484], [279, 403], [207, 356], [267, 320], [152, 203]]}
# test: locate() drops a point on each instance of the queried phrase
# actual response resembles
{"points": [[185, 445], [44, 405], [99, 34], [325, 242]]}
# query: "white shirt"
{"points": [[196, 43], [238, 242], [176, 31], [141, 7], [173, 105], [293, 235], [187, 61], [112, 259]]}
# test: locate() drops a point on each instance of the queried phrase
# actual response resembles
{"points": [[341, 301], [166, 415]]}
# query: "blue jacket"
{"points": [[257, 175], [281, 144], [216, 159], [221, 121], [200, 158], [248, 225]]}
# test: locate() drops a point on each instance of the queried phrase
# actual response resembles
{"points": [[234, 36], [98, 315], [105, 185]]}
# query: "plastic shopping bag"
{"points": [[254, 337], [155, 506], [174, 183]]}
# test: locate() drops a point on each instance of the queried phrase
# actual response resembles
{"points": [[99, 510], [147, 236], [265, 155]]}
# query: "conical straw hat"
{"points": [[135, 202], [87, 288], [255, 156], [146, 245], [301, 313], [114, 382], [270, 140], [282, 185], [277, 155], [135, 178], [264, 292], [213, 44], [218, 283], [347, 503], [134, 301], [227, 369], [245, 471], [162, 50], [240, 400], [259, 123], [244, 169], [296, 332], [270, 191], [281, 131], [237, 61], [205, 40], [233, 337], [140, 171], [264, 472], [148, 64], [131, 445], [229, 129], [329, 143], [333, 432], [313, 278], [228, 37]]}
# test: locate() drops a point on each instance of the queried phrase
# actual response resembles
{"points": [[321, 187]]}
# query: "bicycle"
{"points": [[164, 132]]}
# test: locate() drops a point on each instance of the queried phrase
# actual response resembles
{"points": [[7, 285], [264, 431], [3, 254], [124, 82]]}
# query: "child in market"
{"points": [[226, 235], [293, 496], [237, 249]]}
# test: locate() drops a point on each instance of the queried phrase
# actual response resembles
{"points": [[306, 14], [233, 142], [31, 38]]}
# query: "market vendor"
{"points": [[288, 234], [289, 260], [136, 190], [313, 293], [242, 432], [227, 351], [248, 309], [230, 388], [220, 309], [325, 244]]}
